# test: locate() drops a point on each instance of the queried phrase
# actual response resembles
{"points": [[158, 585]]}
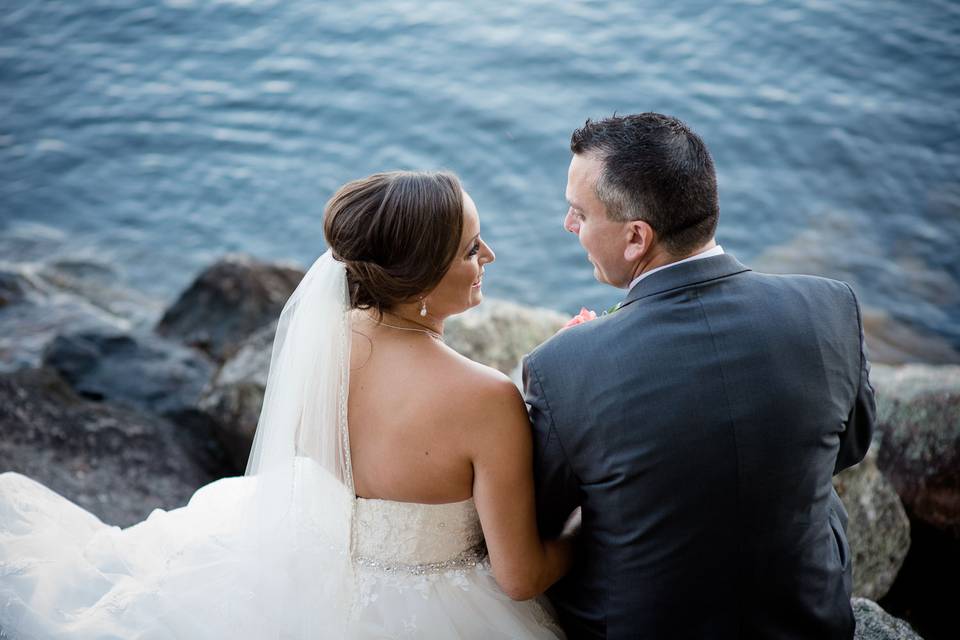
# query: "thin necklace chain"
{"points": [[430, 332]]}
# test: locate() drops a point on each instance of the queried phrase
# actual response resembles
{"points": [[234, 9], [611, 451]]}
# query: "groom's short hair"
{"points": [[655, 169]]}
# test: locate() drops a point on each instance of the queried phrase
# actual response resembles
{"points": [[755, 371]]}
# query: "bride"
{"points": [[388, 492]]}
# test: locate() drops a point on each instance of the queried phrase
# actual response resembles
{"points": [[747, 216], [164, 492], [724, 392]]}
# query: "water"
{"points": [[158, 136]]}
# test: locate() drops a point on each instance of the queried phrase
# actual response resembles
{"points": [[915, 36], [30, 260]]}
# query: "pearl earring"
{"points": [[423, 308]]}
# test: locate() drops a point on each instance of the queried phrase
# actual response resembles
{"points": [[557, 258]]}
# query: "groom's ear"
{"points": [[640, 237]]}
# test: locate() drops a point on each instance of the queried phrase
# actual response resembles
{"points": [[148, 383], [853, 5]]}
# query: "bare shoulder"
{"points": [[480, 383], [488, 405]]}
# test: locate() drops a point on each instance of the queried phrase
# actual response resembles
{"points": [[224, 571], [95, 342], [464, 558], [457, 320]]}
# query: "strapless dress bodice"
{"points": [[415, 537]]}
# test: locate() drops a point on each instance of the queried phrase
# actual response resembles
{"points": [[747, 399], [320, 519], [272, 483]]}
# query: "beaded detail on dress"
{"points": [[407, 547]]}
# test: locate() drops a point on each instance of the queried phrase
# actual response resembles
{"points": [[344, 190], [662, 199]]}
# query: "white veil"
{"points": [[267, 555], [304, 406], [297, 528]]}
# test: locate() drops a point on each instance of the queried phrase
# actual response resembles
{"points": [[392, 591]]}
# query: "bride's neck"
{"points": [[410, 315]]}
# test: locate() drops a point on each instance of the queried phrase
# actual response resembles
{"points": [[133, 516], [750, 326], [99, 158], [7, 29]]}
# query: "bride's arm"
{"points": [[502, 453]]}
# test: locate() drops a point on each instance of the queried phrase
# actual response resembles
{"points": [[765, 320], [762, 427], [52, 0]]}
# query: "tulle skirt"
{"points": [[199, 573]]}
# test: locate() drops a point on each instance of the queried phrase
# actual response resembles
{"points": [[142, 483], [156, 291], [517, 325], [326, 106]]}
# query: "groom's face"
{"points": [[605, 240]]}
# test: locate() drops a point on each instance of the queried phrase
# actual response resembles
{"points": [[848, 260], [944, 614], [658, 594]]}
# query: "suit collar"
{"points": [[684, 275]]}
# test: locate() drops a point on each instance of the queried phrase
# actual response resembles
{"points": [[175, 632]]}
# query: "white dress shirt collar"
{"points": [[709, 253]]}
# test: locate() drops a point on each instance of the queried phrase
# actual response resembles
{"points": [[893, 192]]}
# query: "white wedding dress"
{"points": [[285, 552]]}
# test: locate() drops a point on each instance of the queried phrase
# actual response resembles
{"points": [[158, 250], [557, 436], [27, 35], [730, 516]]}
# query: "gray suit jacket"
{"points": [[698, 427]]}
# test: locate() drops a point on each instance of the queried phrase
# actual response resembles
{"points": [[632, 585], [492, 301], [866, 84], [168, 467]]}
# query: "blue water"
{"points": [[157, 136]]}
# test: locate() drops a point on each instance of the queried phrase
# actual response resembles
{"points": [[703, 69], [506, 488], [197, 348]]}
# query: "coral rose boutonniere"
{"points": [[585, 315]]}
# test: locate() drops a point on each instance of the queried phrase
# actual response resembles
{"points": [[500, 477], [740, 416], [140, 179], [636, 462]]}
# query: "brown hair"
{"points": [[396, 232]]}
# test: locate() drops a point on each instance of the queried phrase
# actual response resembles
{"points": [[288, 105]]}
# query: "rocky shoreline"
{"points": [[123, 414]]}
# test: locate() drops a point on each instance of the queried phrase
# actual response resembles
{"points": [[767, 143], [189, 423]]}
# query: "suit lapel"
{"points": [[684, 275]]}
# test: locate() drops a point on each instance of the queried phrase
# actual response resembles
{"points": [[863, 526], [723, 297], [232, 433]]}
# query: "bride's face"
{"points": [[461, 287]]}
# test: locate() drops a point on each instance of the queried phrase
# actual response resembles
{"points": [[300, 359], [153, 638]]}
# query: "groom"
{"points": [[697, 426]]}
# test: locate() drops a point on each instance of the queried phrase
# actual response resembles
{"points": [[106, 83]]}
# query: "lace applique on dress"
{"points": [[404, 545]]}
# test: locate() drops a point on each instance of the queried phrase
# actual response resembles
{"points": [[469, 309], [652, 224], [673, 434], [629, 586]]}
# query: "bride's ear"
{"points": [[640, 237]]}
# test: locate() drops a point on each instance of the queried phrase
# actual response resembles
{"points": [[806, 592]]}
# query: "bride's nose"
{"points": [[486, 253]]}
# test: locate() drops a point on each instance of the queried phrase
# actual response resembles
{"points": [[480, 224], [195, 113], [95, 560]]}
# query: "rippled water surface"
{"points": [[157, 136]]}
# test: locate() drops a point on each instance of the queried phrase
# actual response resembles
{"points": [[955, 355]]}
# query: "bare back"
{"points": [[410, 416]]}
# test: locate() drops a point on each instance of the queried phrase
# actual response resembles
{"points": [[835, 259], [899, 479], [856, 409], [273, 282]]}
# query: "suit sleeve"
{"points": [[855, 439], [557, 489]]}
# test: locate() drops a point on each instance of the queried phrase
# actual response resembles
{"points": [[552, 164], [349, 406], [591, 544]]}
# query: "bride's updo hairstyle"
{"points": [[397, 233]]}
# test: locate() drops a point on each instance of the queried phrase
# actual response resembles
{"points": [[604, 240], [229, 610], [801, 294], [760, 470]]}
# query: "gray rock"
{"points": [[499, 333], [918, 439], [234, 397], [33, 312], [873, 623], [250, 362], [116, 462], [101, 286], [142, 370], [878, 529], [227, 302]]}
